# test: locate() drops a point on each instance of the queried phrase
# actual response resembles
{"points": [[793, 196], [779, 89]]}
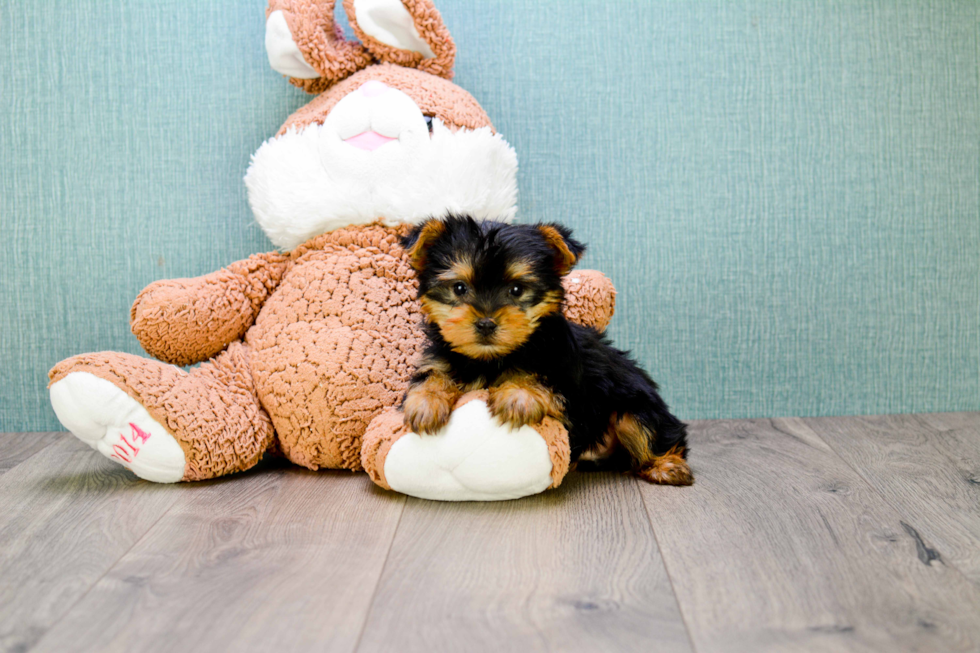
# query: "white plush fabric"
{"points": [[114, 424], [284, 55], [311, 181], [308, 182], [389, 22], [472, 459]]}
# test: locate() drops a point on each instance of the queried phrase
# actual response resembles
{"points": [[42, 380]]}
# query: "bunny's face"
{"points": [[389, 142]]}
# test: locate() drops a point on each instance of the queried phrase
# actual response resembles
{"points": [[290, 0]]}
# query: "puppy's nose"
{"points": [[485, 326]]}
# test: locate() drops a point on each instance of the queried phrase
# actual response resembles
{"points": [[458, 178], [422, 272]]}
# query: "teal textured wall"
{"points": [[785, 193]]}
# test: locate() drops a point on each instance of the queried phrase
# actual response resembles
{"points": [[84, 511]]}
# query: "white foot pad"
{"points": [[117, 426], [473, 458]]}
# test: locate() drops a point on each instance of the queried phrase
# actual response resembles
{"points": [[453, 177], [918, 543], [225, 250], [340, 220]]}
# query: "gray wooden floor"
{"points": [[831, 534]]}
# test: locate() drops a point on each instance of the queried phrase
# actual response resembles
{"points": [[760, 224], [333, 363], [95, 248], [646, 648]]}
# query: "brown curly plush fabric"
{"points": [[556, 437], [383, 431], [334, 344], [320, 41], [431, 29], [590, 298], [332, 337], [212, 412], [435, 96], [186, 321], [307, 348]]}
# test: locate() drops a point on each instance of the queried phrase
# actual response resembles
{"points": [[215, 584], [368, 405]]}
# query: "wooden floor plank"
{"points": [[576, 569], [18, 447], [66, 516], [958, 436], [275, 559], [927, 466], [833, 534], [781, 546]]}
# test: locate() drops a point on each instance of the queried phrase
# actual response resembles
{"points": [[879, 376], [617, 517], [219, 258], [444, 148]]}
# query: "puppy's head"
{"points": [[486, 285]]}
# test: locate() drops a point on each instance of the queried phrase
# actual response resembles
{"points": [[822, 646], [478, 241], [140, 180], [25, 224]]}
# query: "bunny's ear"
{"points": [[407, 33], [304, 43]]}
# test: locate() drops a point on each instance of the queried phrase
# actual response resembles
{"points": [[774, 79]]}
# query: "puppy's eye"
{"points": [[516, 290], [428, 123], [459, 288]]}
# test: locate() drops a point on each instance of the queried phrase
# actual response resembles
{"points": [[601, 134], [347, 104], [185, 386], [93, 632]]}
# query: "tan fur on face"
{"points": [[514, 326], [460, 270], [550, 303], [513, 329], [518, 398], [456, 326], [520, 271], [429, 404]]}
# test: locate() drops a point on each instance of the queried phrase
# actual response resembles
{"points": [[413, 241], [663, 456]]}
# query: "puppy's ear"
{"points": [[420, 239], [568, 251]]}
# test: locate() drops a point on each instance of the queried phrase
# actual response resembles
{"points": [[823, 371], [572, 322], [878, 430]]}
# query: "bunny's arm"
{"points": [[590, 298], [185, 321]]}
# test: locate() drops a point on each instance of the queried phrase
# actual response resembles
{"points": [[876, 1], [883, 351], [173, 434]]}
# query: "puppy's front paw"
{"points": [[427, 410], [517, 405]]}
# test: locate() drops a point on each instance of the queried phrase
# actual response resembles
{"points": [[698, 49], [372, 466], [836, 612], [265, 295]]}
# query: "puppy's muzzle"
{"points": [[485, 327]]}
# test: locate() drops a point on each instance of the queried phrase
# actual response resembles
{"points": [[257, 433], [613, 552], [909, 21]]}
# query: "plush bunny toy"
{"points": [[311, 347]]}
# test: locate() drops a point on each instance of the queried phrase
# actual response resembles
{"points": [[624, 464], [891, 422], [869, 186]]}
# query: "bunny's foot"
{"points": [[110, 421], [472, 458], [164, 424]]}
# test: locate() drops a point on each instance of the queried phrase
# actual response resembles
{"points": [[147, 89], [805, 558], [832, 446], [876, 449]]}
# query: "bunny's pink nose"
{"points": [[373, 88]]}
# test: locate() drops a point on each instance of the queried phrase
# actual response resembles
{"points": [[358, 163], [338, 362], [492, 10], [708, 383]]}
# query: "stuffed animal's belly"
{"points": [[332, 347]]}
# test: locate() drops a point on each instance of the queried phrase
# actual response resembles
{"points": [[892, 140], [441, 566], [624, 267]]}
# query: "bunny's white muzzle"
{"points": [[375, 158]]}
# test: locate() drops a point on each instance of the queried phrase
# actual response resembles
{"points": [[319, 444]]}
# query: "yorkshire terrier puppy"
{"points": [[492, 296]]}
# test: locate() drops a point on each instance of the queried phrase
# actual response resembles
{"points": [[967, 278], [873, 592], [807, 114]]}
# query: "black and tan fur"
{"points": [[492, 296]]}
